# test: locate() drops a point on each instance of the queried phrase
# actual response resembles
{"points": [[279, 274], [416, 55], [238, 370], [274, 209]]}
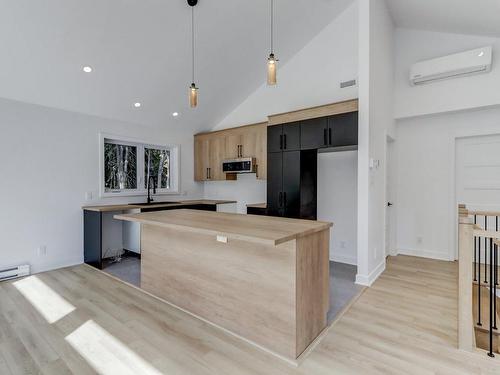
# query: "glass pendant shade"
{"points": [[193, 95], [271, 70]]}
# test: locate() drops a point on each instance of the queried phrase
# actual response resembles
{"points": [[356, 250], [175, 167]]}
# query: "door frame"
{"points": [[452, 181], [390, 213]]}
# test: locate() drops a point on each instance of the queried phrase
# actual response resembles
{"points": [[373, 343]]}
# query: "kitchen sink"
{"points": [[153, 203]]}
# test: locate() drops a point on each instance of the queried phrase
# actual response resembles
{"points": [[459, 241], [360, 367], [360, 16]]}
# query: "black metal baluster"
{"points": [[485, 251], [491, 300], [475, 251], [496, 259], [495, 264], [479, 286]]}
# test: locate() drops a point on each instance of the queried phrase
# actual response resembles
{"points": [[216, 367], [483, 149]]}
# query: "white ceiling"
{"points": [[477, 17], [140, 51]]}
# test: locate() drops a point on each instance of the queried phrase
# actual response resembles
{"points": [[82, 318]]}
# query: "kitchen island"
{"points": [[264, 279]]}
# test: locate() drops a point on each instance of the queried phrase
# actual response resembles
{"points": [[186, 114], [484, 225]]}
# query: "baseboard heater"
{"points": [[14, 272]]}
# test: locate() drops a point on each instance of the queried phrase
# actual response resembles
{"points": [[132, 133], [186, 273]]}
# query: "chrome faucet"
{"points": [[151, 179]]}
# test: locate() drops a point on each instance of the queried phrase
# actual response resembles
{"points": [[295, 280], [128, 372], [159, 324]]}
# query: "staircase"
{"points": [[482, 331], [479, 289]]}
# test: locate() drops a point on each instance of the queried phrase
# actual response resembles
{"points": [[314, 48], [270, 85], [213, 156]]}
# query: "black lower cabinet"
{"points": [[256, 211], [289, 173], [92, 230], [92, 238], [275, 184]]}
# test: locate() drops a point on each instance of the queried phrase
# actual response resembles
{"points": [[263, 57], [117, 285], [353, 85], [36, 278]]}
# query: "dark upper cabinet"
{"points": [[283, 137], [274, 138], [275, 184], [343, 129], [291, 136], [314, 134], [291, 184], [333, 131]]}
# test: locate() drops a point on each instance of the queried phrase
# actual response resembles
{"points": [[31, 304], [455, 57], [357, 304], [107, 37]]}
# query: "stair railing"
{"points": [[482, 240]]}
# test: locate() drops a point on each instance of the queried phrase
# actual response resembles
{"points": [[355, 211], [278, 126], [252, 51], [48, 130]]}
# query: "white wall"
{"points": [[312, 77], [376, 79], [449, 95], [50, 159], [337, 194], [425, 154], [246, 190]]}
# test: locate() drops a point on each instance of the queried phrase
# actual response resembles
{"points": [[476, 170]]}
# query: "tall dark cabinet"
{"points": [[292, 161], [290, 171]]}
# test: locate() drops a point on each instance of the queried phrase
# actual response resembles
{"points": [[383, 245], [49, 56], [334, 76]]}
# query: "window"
{"points": [[157, 166], [128, 166]]}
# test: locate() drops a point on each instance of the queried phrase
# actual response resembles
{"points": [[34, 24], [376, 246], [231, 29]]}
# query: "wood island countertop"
{"points": [[130, 206], [264, 229]]}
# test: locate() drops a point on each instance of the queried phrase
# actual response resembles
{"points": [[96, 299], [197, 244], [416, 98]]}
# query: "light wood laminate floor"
{"points": [[78, 320]]}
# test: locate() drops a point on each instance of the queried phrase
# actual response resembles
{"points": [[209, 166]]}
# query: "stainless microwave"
{"points": [[240, 165]]}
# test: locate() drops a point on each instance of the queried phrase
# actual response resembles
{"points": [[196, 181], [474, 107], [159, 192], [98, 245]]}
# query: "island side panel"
{"points": [[245, 287], [313, 274]]}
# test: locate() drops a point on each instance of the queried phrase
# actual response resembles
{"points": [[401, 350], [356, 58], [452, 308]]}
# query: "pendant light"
{"points": [[193, 90], [271, 60]]}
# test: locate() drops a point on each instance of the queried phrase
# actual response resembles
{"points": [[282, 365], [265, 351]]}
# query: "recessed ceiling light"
{"points": [[137, 105], [175, 114], [87, 69]]}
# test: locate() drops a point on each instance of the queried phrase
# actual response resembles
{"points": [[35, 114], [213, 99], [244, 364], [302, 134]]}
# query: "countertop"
{"points": [[127, 206], [263, 229]]}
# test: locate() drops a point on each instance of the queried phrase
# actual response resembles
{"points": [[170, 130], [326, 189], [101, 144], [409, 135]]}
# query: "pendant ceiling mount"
{"points": [[193, 90], [272, 60]]}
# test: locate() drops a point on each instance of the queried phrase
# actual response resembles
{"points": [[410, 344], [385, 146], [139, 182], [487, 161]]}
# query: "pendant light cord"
{"points": [[272, 26], [192, 40]]}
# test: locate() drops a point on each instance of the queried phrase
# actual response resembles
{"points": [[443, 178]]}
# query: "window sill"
{"points": [[137, 193]]}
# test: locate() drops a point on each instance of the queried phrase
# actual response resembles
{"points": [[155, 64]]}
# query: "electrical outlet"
{"points": [[420, 239], [88, 196], [222, 239], [42, 250], [342, 244]]}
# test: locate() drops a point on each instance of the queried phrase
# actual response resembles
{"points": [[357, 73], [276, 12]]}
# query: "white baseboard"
{"points": [[425, 254], [368, 280], [341, 258]]}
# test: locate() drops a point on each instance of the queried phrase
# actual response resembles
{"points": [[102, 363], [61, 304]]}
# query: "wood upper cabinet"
{"points": [[211, 149], [217, 154], [233, 140], [201, 158]]}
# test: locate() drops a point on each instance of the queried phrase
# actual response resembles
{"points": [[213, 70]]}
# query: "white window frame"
{"points": [[140, 144]]}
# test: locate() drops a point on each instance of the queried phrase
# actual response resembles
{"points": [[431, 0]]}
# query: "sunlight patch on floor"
{"points": [[105, 353], [45, 300]]}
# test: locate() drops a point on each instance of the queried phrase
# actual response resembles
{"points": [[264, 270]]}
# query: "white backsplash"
{"points": [[245, 190]]}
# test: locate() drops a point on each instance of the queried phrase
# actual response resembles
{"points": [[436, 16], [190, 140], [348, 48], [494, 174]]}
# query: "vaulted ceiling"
{"points": [[140, 52], [476, 17]]}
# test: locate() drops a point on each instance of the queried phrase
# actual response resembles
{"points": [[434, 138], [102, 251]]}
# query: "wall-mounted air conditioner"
{"points": [[14, 272], [456, 65]]}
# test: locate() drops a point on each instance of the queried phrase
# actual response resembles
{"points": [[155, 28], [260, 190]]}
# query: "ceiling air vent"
{"points": [[350, 83]]}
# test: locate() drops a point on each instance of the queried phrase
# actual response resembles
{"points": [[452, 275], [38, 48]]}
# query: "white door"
{"points": [[478, 172]]}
